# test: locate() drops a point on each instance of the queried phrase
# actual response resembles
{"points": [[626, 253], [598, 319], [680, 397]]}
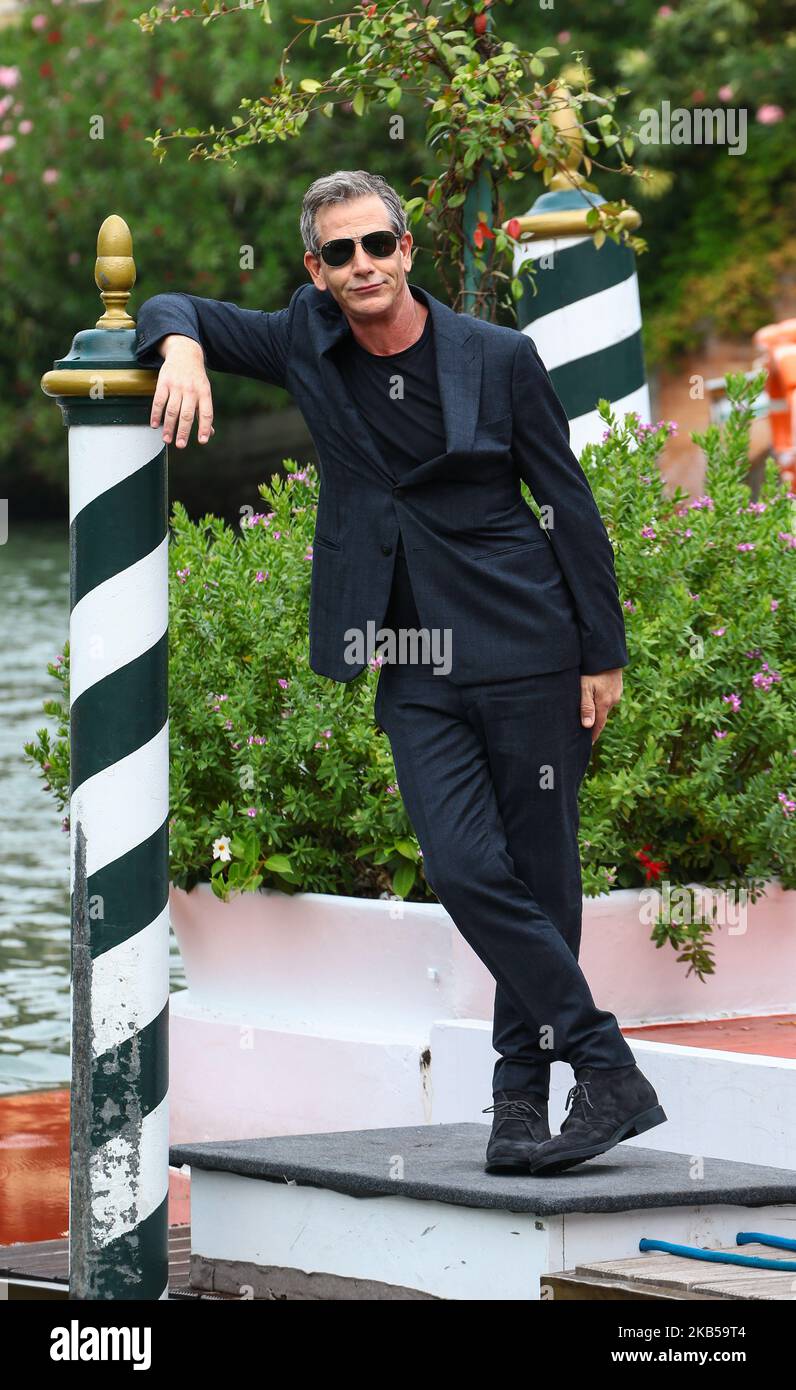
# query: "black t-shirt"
{"points": [[406, 422]]}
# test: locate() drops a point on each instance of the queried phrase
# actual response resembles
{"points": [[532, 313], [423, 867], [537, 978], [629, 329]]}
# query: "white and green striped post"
{"points": [[585, 318], [119, 756]]}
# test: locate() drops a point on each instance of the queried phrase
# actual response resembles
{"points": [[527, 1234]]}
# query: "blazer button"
{"points": [[386, 550]]}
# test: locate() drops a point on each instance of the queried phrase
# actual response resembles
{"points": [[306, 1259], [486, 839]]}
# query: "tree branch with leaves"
{"points": [[488, 104]]}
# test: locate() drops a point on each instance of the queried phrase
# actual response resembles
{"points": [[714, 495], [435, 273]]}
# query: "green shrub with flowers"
{"points": [[279, 777], [693, 779]]}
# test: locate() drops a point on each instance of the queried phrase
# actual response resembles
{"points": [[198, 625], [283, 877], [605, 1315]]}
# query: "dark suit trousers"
{"points": [[489, 774]]}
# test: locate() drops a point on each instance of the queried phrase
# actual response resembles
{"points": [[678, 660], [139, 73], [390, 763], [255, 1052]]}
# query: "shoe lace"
{"points": [[579, 1093], [519, 1109]]}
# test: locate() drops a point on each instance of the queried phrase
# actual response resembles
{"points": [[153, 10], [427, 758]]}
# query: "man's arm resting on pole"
{"points": [[541, 448], [185, 334]]}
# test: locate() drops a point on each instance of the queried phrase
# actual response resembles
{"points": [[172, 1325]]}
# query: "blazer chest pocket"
{"points": [[326, 542]]}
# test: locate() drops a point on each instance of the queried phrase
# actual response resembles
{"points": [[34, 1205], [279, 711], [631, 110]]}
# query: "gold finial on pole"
{"points": [[563, 118], [114, 272]]}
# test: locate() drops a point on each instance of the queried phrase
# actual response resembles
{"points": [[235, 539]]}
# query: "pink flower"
{"points": [[5, 102], [774, 605], [725, 92], [763, 681], [734, 700], [50, 176], [182, 575], [770, 115], [719, 733], [718, 631], [648, 531], [259, 577], [665, 11], [252, 811], [7, 142], [564, 36], [745, 545], [9, 77], [787, 804], [39, 21], [284, 683], [25, 127]]}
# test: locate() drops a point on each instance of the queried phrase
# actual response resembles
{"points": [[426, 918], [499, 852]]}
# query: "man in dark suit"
{"points": [[503, 639]]}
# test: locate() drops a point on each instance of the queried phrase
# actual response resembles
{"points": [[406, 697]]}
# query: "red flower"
{"points": [[482, 231], [654, 867], [54, 36], [513, 227], [45, 70]]}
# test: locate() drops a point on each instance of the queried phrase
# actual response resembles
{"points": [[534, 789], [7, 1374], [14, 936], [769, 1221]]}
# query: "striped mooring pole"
{"points": [[119, 806], [585, 318]]}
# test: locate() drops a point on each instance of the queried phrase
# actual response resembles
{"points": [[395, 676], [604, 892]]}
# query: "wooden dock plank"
{"points": [[680, 1277]]}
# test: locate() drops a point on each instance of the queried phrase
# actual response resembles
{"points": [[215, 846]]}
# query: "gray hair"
{"points": [[340, 187]]}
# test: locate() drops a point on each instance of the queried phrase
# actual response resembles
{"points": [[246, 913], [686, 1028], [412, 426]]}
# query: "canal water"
{"points": [[34, 850]]}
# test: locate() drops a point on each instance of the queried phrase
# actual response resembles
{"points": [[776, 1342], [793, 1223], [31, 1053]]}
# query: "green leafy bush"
{"points": [[693, 779]]}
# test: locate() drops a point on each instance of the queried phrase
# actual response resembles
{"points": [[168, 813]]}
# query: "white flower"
{"points": [[221, 848]]}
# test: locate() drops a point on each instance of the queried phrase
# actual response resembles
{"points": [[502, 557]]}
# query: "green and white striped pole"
{"points": [[119, 757], [585, 318]]}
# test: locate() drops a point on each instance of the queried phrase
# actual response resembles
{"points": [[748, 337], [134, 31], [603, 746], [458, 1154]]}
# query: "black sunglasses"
{"points": [[379, 244]]}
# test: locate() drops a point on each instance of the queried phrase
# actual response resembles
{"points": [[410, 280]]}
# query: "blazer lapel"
{"points": [[459, 369]]}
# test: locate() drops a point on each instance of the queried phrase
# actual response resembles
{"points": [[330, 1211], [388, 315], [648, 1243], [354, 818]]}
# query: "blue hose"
{"points": [[728, 1257], [744, 1238]]}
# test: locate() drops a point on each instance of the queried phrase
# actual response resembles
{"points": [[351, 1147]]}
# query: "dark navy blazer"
{"points": [[518, 600]]}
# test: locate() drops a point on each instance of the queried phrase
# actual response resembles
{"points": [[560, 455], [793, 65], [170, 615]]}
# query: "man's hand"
{"points": [[598, 695], [182, 388]]}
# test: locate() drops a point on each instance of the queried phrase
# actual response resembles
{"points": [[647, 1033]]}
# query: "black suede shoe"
{"points": [[608, 1105], [519, 1127]]}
